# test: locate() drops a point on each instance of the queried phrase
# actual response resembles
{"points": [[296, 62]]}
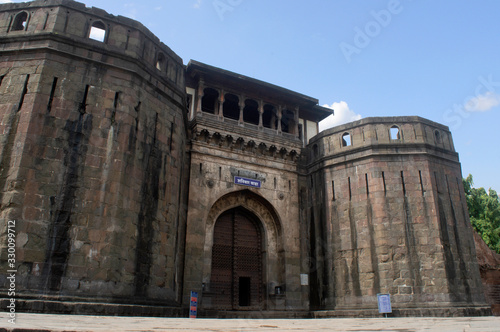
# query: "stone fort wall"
{"points": [[96, 160], [93, 150], [388, 214]]}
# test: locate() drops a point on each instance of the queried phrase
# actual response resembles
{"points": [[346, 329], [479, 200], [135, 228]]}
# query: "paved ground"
{"points": [[45, 322]]}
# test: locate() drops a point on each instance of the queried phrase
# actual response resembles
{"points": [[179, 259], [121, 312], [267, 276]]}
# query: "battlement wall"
{"points": [[88, 28], [387, 135]]}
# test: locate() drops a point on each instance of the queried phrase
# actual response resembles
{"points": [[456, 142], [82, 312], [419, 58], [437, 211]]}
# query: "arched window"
{"points": [[269, 117], [209, 100], [251, 112], [98, 31], [231, 107], [395, 134], [346, 139], [20, 22], [160, 62], [287, 122]]}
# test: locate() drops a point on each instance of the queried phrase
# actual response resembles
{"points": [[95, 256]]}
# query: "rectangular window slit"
{"points": [[275, 183], [437, 183], [220, 173], [171, 135], [333, 191], [52, 93], [46, 20], [366, 181], [23, 94], [350, 192], [83, 104], [201, 168], [117, 96], [1, 79], [403, 183], [289, 185], [421, 183], [383, 180]]}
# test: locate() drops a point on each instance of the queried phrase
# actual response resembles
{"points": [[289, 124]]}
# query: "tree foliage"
{"points": [[484, 212]]}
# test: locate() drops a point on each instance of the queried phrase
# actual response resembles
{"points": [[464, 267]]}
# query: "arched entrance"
{"points": [[236, 277]]}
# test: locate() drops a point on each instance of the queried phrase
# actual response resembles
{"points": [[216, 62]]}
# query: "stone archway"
{"points": [[256, 215]]}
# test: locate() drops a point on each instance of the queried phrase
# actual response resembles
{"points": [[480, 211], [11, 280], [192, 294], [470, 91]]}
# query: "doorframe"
{"points": [[273, 255]]}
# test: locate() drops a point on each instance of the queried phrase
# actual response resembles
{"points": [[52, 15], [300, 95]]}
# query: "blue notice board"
{"points": [[247, 182], [193, 308], [384, 303]]}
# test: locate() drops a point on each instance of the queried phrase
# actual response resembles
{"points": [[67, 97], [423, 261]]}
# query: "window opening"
{"points": [[350, 192], [98, 31], [209, 100], [231, 108], [269, 117], [160, 62], [287, 122], [437, 136], [346, 139], [395, 135], [52, 93], [366, 182], [23, 94], [383, 180], [20, 22], [333, 191], [403, 183], [421, 183], [251, 112]]}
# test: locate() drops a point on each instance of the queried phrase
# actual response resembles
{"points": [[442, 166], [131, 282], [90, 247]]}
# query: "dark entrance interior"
{"points": [[236, 280], [244, 290]]}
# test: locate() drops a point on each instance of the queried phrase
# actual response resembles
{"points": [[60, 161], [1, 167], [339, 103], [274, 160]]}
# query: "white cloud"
{"points": [[342, 114], [197, 4], [483, 103], [5, 1]]}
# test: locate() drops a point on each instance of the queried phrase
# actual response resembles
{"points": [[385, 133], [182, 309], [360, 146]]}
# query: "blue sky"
{"points": [[436, 59]]}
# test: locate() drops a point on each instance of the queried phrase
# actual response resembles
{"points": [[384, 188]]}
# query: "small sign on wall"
{"points": [[304, 279], [193, 308], [247, 182]]}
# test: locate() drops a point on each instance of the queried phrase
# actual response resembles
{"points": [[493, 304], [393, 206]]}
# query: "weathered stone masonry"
{"points": [[93, 149], [120, 166]]}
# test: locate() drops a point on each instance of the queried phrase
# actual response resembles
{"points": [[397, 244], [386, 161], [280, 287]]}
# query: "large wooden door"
{"points": [[236, 279]]}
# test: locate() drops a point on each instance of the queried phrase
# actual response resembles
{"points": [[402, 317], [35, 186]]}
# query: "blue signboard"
{"points": [[384, 303], [193, 308], [247, 182]]}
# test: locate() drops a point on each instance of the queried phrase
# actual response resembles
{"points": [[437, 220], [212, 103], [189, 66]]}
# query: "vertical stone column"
{"points": [[296, 122], [220, 110], [280, 109], [201, 88], [261, 113], [241, 105]]}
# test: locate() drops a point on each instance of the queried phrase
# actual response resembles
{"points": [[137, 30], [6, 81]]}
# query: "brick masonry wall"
{"points": [[93, 150]]}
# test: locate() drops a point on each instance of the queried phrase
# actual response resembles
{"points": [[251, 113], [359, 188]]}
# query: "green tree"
{"points": [[484, 212]]}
